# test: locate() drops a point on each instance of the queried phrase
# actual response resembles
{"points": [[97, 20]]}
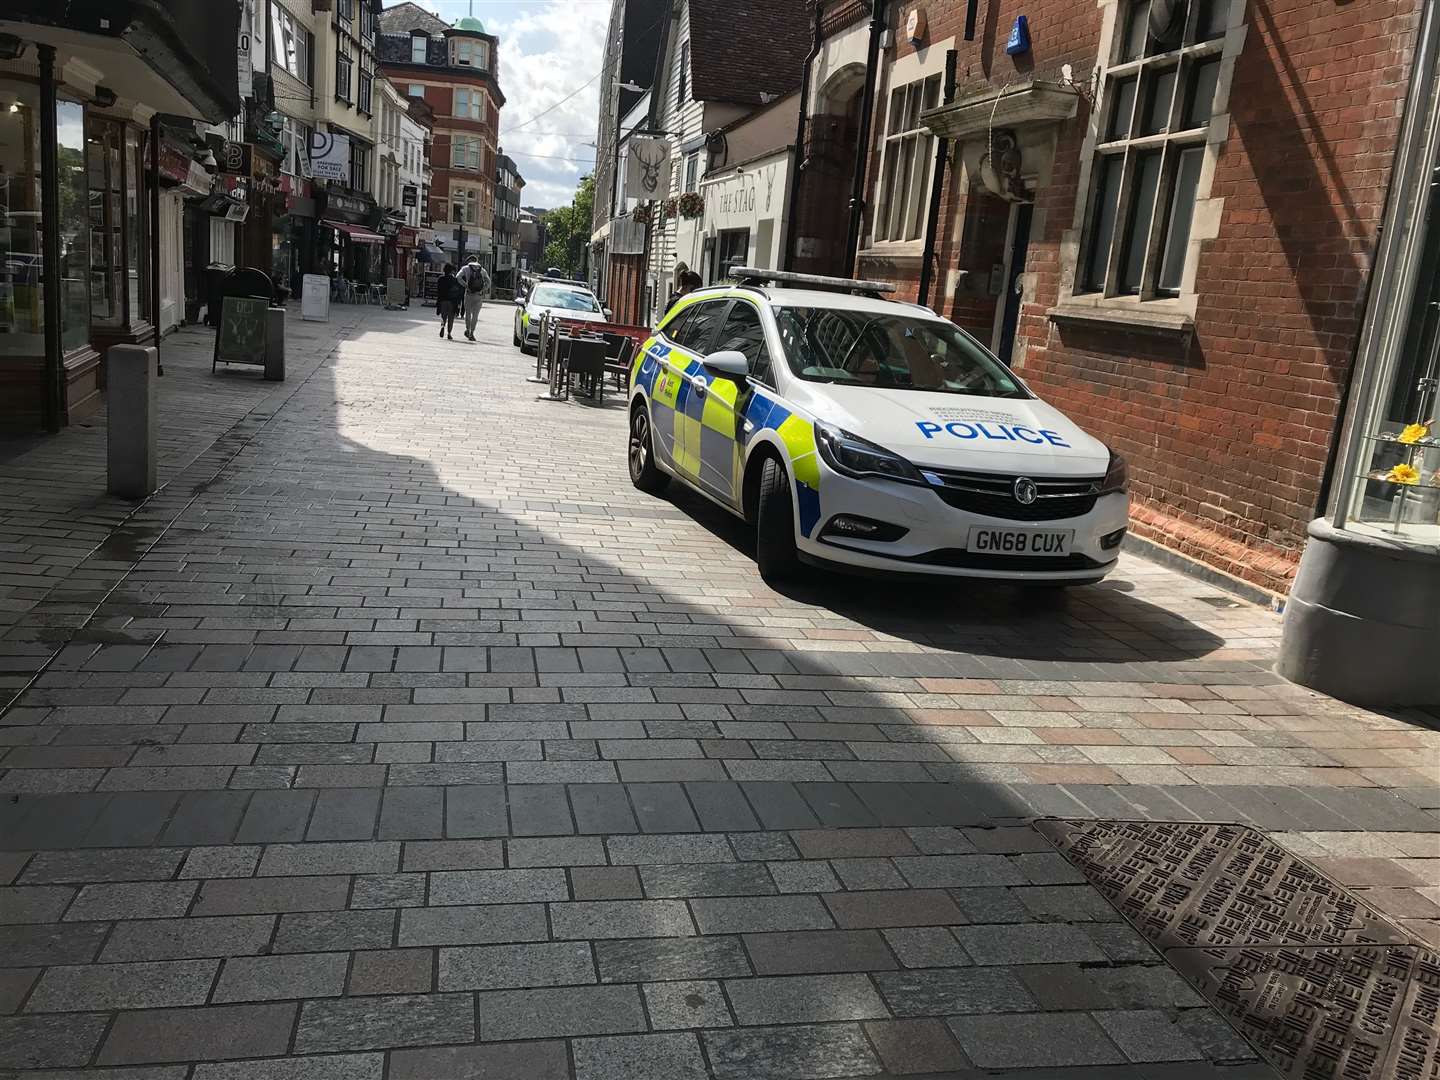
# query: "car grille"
{"points": [[961, 559], [993, 495]]}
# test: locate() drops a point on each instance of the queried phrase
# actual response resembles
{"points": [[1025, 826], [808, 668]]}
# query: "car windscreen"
{"points": [[568, 299], [890, 350]]}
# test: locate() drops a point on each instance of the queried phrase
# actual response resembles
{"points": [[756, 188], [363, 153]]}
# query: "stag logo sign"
{"points": [[647, 169]]}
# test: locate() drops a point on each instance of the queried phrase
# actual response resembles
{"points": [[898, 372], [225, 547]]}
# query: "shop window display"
{"points": [[22, 228]]}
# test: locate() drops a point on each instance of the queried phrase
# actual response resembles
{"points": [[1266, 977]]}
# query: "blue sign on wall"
{"points": [[1019, 41]]}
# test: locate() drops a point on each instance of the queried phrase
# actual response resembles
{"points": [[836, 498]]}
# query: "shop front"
{"points": [[294, 236], [1363, 618], [182, 178], [737, 218], [347, 226], [78, 92]]}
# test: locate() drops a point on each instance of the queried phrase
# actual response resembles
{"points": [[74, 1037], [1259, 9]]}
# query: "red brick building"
{"points": [[455, 70], [1164, 214]]}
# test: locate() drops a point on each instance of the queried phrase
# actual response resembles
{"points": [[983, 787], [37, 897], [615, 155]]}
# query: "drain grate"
{"points": [[1320, 982]]}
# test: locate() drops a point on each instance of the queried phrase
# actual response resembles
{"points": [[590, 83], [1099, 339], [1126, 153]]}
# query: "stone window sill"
{"points": [[1132, 317]]}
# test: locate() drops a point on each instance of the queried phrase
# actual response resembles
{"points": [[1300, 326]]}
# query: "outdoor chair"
{"points": [[586, 359]]}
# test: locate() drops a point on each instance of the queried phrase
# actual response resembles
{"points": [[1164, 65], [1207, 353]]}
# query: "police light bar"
{"points": [[755, 275]]}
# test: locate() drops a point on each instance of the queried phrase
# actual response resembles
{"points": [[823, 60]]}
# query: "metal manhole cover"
{"points": [[1195, 884], [1321, 984], [1340, 1011]]}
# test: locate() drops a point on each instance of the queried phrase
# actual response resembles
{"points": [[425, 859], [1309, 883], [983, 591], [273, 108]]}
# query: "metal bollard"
{"points": [[275, 345], [133, 421]]}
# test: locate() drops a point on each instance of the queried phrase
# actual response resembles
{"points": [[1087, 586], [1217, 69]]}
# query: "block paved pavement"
{"points": [[399, 736]]}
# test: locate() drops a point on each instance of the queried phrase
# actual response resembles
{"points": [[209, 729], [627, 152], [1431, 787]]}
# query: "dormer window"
{"points": [[419, 48]]}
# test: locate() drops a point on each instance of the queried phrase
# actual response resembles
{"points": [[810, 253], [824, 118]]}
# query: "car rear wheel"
{"points": [[644, 473], [775, 525]]}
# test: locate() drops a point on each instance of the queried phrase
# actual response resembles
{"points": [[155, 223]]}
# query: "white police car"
{"points": [[859, 431], [570, 300]]}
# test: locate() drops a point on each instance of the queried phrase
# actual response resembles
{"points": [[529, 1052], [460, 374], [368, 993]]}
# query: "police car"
{"points": [[859, 432], [570, 300]]}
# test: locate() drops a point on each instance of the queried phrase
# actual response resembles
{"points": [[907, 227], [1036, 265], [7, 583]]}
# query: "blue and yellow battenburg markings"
{"points": [[762, 411]]}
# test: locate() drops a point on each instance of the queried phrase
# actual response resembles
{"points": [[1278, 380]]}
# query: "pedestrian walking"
{"points": [[449, 294], [475, 282], [689, 282]]}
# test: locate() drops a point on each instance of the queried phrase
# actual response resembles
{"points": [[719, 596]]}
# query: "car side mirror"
{"points": [[519, 301], [608, 313], [729, 363]]}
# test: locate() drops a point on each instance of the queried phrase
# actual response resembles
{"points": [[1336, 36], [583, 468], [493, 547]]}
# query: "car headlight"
{"points": [[851, 455], [1117, 476]]}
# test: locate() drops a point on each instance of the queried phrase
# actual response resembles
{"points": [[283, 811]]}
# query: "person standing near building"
{"points": [[475, 282], [448, 295]]}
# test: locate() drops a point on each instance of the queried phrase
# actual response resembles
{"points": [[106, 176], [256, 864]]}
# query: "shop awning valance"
{"points": [[356, 234]]}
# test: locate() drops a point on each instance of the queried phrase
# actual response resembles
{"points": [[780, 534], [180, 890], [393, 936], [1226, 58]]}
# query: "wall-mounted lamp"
{"points": [[207, 160], [104, 97], [11, 47], [633, 87]]}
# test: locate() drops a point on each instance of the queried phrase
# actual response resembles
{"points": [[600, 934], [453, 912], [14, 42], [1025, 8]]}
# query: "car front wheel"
{"points": [[644, 473], [515, 333], [775, 525]]}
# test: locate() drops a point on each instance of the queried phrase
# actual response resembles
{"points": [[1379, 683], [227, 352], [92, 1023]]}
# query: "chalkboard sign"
{"points": [[241, 337]]}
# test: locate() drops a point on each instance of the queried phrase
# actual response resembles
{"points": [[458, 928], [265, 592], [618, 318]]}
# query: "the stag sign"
{"points": [[647, 169]]}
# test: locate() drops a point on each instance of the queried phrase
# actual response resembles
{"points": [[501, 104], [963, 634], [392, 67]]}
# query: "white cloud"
{"points": [[548, 49]]}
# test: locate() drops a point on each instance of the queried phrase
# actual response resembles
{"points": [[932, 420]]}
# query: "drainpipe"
{"points": [[862, 144], [50, 216], [800, 124], [155, 235], [937, 187]]}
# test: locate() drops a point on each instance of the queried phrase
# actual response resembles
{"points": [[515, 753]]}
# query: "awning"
{"points": [[356, 234]]}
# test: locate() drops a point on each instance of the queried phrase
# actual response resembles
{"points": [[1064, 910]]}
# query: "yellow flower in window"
{"points": [[1413, 433], [1403, 474]]}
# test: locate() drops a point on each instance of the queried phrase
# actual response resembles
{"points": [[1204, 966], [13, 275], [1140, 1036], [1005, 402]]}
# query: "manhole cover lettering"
{"points": [[1320, 982]]}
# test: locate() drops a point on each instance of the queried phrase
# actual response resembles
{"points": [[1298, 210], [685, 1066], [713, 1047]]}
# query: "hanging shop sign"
{"points": [[349, 208], [235, 158], [410, 195], [647, 168], [329, 155]]}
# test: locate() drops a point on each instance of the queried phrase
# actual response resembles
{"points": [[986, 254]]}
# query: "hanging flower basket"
{"points": [[669, 208], [642, 214], [692, 205]]}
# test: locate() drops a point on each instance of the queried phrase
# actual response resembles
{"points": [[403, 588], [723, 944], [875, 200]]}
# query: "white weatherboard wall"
{"points": [[684, 120]]}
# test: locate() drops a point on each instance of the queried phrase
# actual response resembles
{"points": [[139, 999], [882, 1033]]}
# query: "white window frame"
{"points": [[291, 38], [465, 151], [419, 49], [474, 106], [468, 198], [692, 171], [903, 189], [1079, 288]]}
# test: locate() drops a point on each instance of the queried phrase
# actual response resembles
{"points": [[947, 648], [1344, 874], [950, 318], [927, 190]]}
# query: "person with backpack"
{"points": [[449, 295], [475, 282]]}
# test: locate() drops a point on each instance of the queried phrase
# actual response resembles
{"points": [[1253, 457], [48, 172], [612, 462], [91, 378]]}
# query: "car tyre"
{"points": [[775, 550], [644, 473], [515, 335]]}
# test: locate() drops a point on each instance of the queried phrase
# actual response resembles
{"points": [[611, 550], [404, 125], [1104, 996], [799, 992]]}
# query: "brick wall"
{"points": [[1227, 436]]}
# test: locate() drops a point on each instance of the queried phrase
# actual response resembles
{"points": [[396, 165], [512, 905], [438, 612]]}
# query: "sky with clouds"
{"points": [[549, 49]]}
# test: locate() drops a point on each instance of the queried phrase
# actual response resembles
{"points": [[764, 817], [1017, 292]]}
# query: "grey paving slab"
{"points": [[392, 971], [37, 904], [92, 866], [605, 883], [473, 925], [320, 1067], [804, 999], [242, 896], [453, 855], [649, 959], [492, 1061], [539, 810], [101, 987], [759, 914], [886, 908], [412, 813], [948, 991], [211, 1033], [271, 978], [180, 939], [132, 900], [818, 951], [1034, 1040], [673, 1056], [366, 1023], [601, 809], [287, 860], [43, 944], [596, 919], [799, 1053], [563, 1011], [344, 814], [206, 817], [323, 931], [49, 1042], [683, 848], [1148, 1035], [693, 1004], [498, 886], [907, 1047], [707, 879], [498, 967]]}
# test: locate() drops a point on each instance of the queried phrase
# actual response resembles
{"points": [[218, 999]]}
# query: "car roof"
{"points": [[816, 298]]}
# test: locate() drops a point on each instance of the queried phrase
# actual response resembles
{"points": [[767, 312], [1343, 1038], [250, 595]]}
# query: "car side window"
{"points": [[696, 335], [675, 328], [744, 333]]}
